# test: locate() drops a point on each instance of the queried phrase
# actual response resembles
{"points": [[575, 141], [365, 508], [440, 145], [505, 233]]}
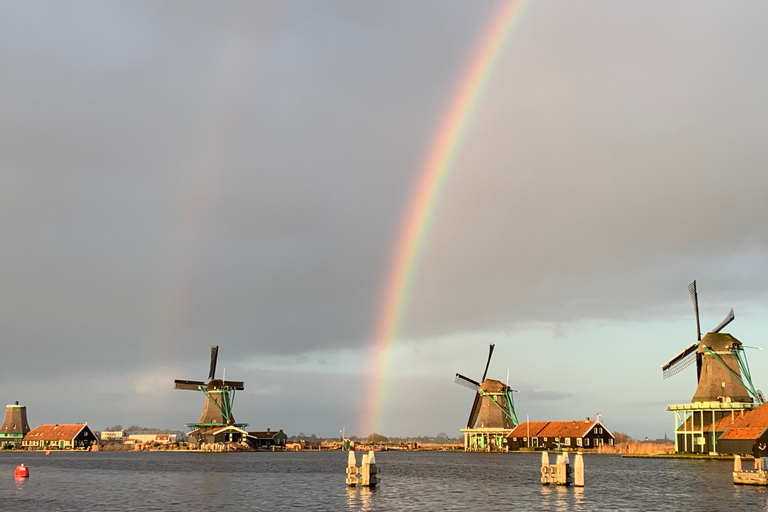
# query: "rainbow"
{"points": [[421, 209]]}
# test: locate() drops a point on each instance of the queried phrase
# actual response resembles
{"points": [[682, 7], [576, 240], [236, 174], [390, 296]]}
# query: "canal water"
{"points": [[412, 481]]}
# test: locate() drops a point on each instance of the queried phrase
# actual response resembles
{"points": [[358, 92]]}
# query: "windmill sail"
{"points": [[695, 299], [681, 361], [214, 357], [475, 412], [728, 319], [466, 382]]}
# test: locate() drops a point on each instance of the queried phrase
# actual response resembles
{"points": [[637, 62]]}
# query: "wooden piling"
{"points": [[578, 470], [352, 469]]}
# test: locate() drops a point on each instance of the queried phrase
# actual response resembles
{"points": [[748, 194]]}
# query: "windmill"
{"points": [[493, 407], [722, 370], [219, 397]]}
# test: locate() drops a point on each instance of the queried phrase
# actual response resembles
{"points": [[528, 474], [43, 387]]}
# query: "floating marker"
{"points": [[21, 471]]}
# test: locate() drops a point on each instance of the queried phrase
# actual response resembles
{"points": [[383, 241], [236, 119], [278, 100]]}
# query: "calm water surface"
{"points": [[418, 481]]}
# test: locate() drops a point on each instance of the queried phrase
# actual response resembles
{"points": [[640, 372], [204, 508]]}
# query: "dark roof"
{"points": [[269, 434]]}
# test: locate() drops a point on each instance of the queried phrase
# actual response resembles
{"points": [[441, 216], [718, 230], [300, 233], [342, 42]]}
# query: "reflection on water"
{"points": [[419, 481], [360, 498]]}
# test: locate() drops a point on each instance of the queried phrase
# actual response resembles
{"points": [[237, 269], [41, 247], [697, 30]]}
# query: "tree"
{"points": [[376, 439]]}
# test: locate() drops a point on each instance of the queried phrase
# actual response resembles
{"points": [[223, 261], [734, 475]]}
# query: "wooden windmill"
{"points": [[492, 416], [722, 370], [219, 397]]}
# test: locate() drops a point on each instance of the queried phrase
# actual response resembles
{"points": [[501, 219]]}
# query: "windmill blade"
{"points": [[728, 319], [475, 412], [695, 299], [193, 385], [214, 357], [234, 384], [466, 382], [490, 353], [680, 362]]}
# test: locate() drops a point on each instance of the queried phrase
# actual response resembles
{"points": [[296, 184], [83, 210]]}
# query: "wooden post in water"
{"points": [[352, 469], [578, 470], [737, 463], [369, 471]]}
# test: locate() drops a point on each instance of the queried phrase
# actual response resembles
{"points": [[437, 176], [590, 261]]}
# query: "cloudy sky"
{"points": [[175, 175]]}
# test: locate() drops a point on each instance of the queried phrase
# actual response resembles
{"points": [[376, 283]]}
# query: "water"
{"points": [[415, 481]]}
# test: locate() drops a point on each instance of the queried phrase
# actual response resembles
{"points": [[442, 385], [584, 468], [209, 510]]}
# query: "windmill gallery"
{"points": [[726, 415]]}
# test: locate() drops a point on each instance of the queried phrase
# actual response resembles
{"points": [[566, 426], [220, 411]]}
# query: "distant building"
{"points": [[558, 435], [15, 425], [116, 435], [149, 438], [267, 438], [62, 437]]}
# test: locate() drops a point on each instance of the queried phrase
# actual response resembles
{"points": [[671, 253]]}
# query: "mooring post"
{"points": [[578, 470], [545, 471], [369, 471], [567, 470], [352, 469], [736, 463]]}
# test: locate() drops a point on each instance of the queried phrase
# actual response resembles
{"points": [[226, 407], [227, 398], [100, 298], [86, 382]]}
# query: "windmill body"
{"points": [[724, 386], [720, 378], [492, 417]]}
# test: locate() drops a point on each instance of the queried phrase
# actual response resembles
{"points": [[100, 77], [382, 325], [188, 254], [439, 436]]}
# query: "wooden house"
{"points": [[15, 426], [560, 435], [267, 438], [62, 437]]}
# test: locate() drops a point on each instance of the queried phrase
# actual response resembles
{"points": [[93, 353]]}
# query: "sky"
{"points": [[176, 175]]}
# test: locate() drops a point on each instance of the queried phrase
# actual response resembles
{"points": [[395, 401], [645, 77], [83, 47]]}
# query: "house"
{"points": [[62, 437], [744, 431], [15, 426], [560, 435], [225, 434], [267, 438]]}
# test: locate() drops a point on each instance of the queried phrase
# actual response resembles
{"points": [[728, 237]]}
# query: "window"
{"points": [[586, 441], [601, 430], [610, 442], [514, 439], [595, 430], [567, 441], [545, 439], [578, 441], [557, 439]]}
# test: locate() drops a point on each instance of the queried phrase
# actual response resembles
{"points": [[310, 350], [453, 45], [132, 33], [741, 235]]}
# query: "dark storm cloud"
{"points": [[179, 175]]}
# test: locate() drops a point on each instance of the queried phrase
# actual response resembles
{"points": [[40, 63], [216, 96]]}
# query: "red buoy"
{"points": [[47, 452], [22, 471]]}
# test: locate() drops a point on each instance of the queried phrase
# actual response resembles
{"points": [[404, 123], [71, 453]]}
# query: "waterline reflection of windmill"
{"points": [[492, 416], [724, 385]]}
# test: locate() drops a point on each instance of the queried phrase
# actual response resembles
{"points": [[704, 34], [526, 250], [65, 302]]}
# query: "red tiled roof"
{"points": [[749, 426], [743, 433], [54, 432], [567, 428], [522, 430], [556, 429]]}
